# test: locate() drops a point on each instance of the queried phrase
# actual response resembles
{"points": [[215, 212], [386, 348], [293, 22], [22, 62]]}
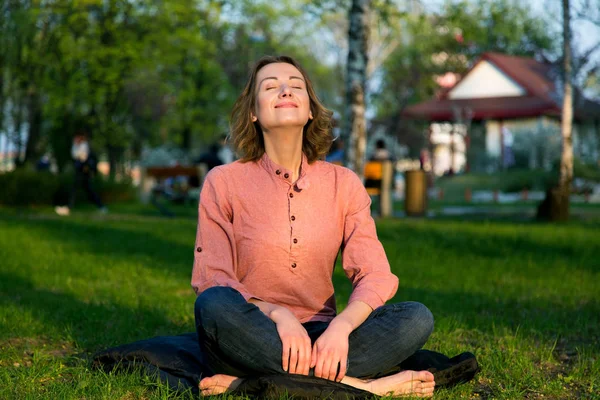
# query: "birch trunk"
{"points": [[555, 206], [356, 75], [566, 160]]}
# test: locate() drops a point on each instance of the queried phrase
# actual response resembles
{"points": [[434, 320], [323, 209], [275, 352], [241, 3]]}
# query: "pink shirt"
{"points": [[277, 241]]}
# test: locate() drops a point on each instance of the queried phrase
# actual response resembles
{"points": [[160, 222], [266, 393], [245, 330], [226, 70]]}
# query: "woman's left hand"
{"points": [[330, 351]]}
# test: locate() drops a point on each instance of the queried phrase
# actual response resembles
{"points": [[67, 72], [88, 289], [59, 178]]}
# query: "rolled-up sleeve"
{"points": [[215, 258], [363, 257]]}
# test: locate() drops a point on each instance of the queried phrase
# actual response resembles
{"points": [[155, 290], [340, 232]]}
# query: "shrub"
{"points": [[112, 191], [26, 187], [589, 172]]}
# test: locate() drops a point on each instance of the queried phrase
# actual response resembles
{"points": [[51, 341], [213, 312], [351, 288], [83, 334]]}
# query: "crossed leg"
{"points": [[388, 336], [405, 383]]}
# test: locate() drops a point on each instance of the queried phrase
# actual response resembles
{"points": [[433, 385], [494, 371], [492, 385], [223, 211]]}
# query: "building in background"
{"points": [[518, 102]]}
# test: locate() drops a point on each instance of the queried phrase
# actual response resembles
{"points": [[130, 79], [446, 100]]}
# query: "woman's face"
{"points": [[281, 97]]}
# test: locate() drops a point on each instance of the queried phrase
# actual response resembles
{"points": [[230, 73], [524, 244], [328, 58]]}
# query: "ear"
{"points": [[254, 119], [310, 116]]}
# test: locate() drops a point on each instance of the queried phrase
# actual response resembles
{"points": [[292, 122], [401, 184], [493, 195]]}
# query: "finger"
{"points": [[293, 357], [333, 369], [319, 365], [301, 358], [326, 365], [343, 367], [313, 357], [307, 356], [285, 355]]}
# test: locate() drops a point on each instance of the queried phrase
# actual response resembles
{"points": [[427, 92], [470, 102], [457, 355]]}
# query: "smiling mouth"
{"points": [[286, 105]]}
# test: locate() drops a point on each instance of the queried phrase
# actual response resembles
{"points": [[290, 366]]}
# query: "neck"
{"points": [[285, 148]]}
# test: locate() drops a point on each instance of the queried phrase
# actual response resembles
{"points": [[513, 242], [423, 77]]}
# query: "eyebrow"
{"points": [[275, 78]]}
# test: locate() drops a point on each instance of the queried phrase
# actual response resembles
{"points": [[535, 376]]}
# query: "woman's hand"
{"points": [[331, 350], [296, 343]]}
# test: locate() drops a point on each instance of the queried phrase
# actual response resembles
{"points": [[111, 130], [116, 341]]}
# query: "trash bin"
{"points": [[415, 197]]}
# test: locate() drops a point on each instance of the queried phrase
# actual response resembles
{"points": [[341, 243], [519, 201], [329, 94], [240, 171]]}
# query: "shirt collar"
{"points": [[285, 174]]}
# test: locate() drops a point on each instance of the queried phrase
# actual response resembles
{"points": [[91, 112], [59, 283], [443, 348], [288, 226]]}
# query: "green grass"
{"points": [[503, 181], [524, 297]]}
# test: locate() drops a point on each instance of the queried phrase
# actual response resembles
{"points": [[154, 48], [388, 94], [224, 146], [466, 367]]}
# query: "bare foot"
{"points": [[218, 384], [414, 383], [405, 383]]}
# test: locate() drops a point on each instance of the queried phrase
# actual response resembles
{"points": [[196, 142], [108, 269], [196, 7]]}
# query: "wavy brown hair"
{"points": [[247, 135]]}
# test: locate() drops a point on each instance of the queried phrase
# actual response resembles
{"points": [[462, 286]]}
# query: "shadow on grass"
{"points": [[530, 255], [92, 325], [131, 240], [536, 320], [539, 319], [542, 318], [519, 242]]}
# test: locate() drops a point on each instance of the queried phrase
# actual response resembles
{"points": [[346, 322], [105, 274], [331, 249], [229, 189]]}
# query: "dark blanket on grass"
{"points": [[178, 362]]}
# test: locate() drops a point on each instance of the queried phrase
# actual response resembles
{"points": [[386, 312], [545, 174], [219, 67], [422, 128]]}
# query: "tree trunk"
{"points": [[32, 148], [17, 126], [566, 159], [186, 139], [112, 162], [556, 205], [356, 76], [452, 149]]}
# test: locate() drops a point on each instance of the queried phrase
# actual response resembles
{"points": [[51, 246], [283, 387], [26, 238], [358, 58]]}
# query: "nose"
{"points": [[286, 91]]}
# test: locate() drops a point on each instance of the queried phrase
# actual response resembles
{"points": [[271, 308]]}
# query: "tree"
{"points": [[355, 130], [136, 73], [555, 206], [566, 159]]}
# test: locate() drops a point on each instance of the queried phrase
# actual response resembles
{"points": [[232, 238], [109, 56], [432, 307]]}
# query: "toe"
{"points": [[206, 383], [425, 376]]}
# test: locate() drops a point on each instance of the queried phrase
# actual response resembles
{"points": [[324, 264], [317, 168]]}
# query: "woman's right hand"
{"points": [[296, 343]]}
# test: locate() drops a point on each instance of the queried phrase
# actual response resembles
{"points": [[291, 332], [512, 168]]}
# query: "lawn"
{"points": [[524, 297]]}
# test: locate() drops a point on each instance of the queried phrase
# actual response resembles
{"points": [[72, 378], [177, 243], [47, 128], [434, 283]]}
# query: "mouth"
{"points": [[287, 104]]}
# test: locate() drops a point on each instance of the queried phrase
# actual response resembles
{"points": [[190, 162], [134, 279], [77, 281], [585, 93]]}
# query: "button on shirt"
{"points": [[277, 241]]}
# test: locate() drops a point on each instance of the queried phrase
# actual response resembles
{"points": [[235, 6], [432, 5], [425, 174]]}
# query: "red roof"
{"points": [[484, 108], [535, 77]]}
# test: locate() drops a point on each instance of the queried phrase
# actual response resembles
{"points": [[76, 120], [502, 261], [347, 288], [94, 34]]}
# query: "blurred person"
{"points": [[210, 157], [270, 227], [336, 153], [381, 152], [43, 164], [84, 162]]}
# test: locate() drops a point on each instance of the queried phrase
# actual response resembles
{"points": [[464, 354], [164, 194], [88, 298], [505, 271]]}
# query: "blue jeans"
{"points": [[240, 340]]}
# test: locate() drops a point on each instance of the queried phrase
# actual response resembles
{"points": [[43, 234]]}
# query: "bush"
{"points": [[111, 191], [589, 172], [25, 187]]}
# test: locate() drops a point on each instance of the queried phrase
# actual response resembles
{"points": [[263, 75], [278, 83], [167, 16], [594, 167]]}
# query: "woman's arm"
{"points": [[215, 255], [363, 257], [352, 317]]}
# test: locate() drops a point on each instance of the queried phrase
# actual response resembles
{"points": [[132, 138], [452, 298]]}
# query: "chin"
{"points": [[291, 123]]}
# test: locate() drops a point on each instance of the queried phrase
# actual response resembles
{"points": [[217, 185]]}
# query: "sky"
{"points": [[585, 34]]}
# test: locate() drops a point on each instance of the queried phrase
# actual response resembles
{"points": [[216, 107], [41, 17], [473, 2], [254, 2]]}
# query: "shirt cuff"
{"points": [[369, 297]]}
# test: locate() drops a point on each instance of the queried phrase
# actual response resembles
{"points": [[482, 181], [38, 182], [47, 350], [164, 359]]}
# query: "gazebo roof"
{"points": [[536, 81]]}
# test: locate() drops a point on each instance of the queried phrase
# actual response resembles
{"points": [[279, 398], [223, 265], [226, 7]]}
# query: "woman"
{"points": [[270, 228]]}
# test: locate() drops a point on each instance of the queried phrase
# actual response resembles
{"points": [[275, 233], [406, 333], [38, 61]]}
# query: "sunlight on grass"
{"points": [[522, 296]]}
